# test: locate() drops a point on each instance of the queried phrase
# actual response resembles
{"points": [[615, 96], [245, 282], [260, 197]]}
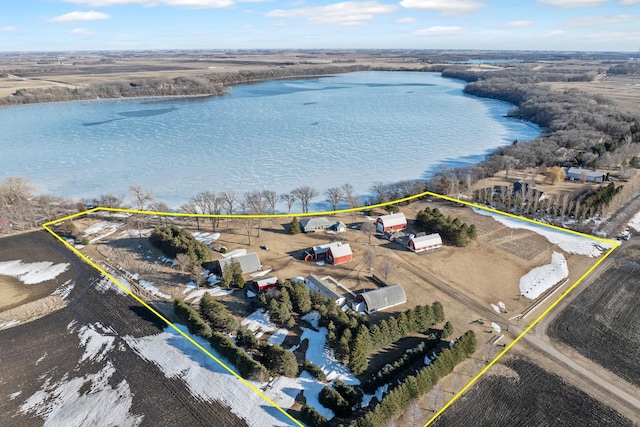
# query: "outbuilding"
{"points": [[264, 283], [579, 174], [425, 242], [392, 222], [316, 223], [325, 288], [249, 263], [335, 253], [382, 298]]}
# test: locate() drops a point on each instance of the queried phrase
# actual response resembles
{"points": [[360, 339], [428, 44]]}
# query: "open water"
{"points": [[355, 128]]}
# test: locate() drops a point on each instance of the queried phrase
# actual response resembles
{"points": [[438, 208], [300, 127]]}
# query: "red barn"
{"points": [[339, 253], [392, 222], [424, 243], [264, 283]]}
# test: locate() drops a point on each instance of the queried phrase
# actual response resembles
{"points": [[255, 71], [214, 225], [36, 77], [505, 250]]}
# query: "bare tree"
{"points": [[109, 200], [191, 208], [380, 190], [14, 189], [289, 199], [206, 201], [271, 198], [334, 196], [368, 228], [183, 261], [257, 204], [249, 226], [386, 268], [198, 275], [370, 257], [228, 199], [141, 196], [304, 194]]}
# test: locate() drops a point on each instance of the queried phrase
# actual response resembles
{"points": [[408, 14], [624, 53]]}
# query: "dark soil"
{"points": [[603, 322], [162, 401], [534, 398]]}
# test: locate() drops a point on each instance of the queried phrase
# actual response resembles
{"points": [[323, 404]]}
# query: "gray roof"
{"points": [[584, 172], [248, 263], [382, 298], [315, 222], [326, 289]]}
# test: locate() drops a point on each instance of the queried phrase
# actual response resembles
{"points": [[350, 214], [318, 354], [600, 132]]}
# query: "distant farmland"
{"points": [[603, 322], [520, 393]]}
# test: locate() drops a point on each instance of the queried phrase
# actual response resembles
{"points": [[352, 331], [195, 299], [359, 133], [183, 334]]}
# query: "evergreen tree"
{"points": [[447, 330], [301, 299], [359, 351], [438, 312], [294, 226], [342, 348]]}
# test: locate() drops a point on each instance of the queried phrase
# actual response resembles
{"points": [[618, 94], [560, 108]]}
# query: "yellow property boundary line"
{"points": [[47, 225]]}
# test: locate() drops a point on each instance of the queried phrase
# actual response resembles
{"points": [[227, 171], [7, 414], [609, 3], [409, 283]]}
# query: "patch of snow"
{"points": [[321, 355], [41, 359], [213, 281], [65, 289], [105, 283], [261, 273], [251, 294], [379, 393], [567, 241], [96, 344], [146, 232], [320, 262], [313, 317], [298, 279], [635, 222], [209, 381], [496, 327], [31, 273], [14, 395], [496, 308], [534, 283], [168, 260], [370, 218], [196, 295], [259, 321], [153, 290], [62, 404], [311, 390], [105, 228], [278, 336], [235, 253], [8, 324], [502, 306]]}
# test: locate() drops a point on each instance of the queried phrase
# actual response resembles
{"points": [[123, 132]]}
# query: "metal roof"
{"points": [[316, 222], [382, 298], [393, 219], [584, 172], [326, 289], [429, 239], [248, 263], [340, 249]]}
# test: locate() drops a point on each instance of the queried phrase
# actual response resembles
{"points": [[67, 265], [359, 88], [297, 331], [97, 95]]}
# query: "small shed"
{"points": [[382, 298], [339, 253], [339, 227], [579, 174], [424, 243], [264, 283], [392, 222], [249, 263], [316, 223]]}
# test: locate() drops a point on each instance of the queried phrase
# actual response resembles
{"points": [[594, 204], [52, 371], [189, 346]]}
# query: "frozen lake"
{"points": [[355, 128]]}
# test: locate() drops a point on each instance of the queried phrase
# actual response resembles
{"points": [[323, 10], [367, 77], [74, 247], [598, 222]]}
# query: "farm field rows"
{"points": [[603, 322]]}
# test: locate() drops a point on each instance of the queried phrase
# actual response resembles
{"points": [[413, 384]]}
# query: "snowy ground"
{"points": [[278, 336], [102, 229], [568, 242], [178, 358], [31, 273], [65, 289], [69, 402], [321, 355], [196, 294], [534, 283], [206, 238], [635, 222]]}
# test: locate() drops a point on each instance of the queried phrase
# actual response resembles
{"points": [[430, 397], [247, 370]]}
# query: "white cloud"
{"points": [[519, 24], [629, 2], [192, 4], [595, 21], [406, 20], [80, 16], [10, 29], [340, 14], [81, 32], [439, 31], [573, 3], [445, 7], [556, 33]]}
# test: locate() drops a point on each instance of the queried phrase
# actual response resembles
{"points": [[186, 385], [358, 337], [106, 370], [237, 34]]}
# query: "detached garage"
{"points": [[382, 298]]}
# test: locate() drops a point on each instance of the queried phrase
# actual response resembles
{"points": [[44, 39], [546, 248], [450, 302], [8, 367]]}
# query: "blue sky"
{"points": [[50, 25]]}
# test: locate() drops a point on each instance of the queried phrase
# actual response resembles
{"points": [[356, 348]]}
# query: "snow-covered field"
{"points": [[196, 294], [31, 273], [102, 229], [321, 355], [534, 283], [568, 242], [635, 222]]}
